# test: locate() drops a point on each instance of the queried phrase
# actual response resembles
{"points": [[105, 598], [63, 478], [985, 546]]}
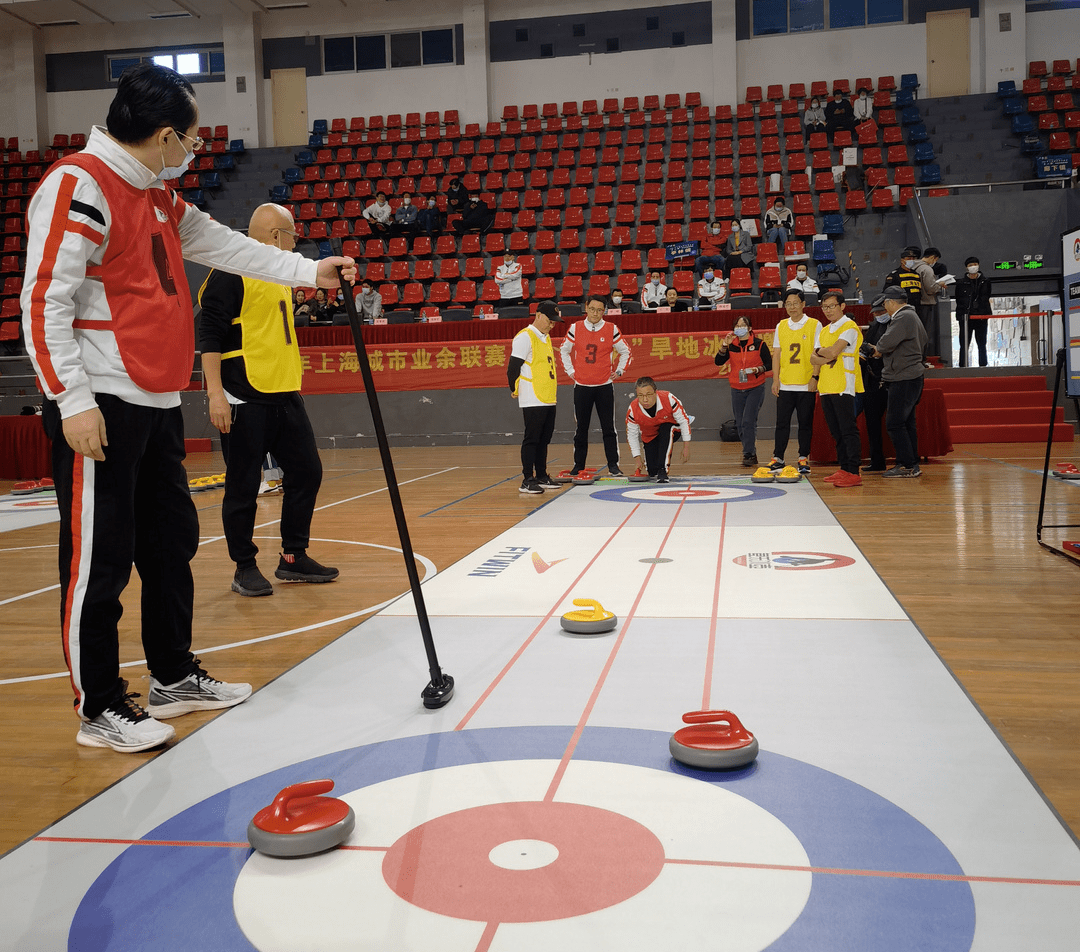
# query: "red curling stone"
{"points": [[716, 740], [300, 822]]}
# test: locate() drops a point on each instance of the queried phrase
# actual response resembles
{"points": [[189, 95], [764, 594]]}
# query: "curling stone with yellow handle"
{"points": [[593, 620]]}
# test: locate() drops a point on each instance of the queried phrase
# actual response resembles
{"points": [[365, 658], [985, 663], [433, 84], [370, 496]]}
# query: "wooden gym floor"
{"points": [[956, 547]]}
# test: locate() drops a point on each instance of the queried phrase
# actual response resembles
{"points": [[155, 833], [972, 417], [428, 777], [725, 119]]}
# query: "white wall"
{"points": [[78, 111], [1053, 35], [1003, 54]]}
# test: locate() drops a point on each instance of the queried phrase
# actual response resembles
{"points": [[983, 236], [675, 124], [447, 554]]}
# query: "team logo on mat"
{"points": [[500, 561], [793, 560], [541, 566]]}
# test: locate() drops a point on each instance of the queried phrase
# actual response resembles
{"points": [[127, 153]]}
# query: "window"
{"points": [[117, 65], [370, 52], [678, 38], [438, 47], [394, 50], [613, 44], [405, 49], [195, 63], [339, 54], [844, 13], [800, 16], [547, 50], [770, 16], [807, 15], [884, 11]]}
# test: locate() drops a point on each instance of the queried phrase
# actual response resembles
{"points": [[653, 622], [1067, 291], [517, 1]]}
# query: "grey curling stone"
{"points": [[597, 627], [301, 823], [635, 478], [713, 759], [583, 480], [715, 740]]}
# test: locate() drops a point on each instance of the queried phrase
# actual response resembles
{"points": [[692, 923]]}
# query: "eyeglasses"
{"points": [[595, 309], [292, 234], [196, 144], [830, 307]]}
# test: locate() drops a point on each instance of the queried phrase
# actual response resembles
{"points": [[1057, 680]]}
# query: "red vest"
{"points": [[665, 408], [592, 353], [144, 281], [744, 360]]}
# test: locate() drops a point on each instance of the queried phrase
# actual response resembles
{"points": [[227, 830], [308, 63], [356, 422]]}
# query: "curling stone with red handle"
{"points": [[300, 822], [716, 740]]}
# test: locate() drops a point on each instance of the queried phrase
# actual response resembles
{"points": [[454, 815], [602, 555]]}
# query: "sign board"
{"points": [[1004, 265], [1053, 166], [682, 249], [1070, 310]]}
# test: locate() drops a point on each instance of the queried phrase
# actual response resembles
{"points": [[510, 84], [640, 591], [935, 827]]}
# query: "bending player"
{"points": [[656, 420]]}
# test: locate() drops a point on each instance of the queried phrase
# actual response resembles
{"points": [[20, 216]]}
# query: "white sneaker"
{"points": [[197, 692], [124, 726]]}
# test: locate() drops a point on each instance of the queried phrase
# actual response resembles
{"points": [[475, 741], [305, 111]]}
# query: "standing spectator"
{"points": [[972, 297], [712, 249], [508, 277], [875, 394], [405, 218], [794, 381], [902, 347], [654, 294], [906, 276], [531, 375], [802, 281], [456, 196], [655, 421], [779, 223], [748, 364], [587, 355], [253, 377], [928, 300], [475, 217], [711, 290], [839, 114], [378, 215], [368, 302], [739, 249], [814, 117], [430, 219], [837, 360], [112, 350], [672, 302], [301, 308]]}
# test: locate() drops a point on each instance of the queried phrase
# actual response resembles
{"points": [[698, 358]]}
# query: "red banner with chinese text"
{"points": [[457, 365]]}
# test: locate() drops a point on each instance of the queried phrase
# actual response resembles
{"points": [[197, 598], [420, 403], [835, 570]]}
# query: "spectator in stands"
{"points": [[875, 395], [368, 302], [836, 359], [739, 249], [902, 347], [320, 313], [378, 215], [803, 282], [430, 219], [863, 108], [814, 117], [794, 379], [335, 307], [654, 294], [748, 362], [456, 196], [928, 300], [711, 290], [301, 308], [405, 218], [972, 297], [508, 277], [712, 249], [672, 302], [476, 217], [839, 114], [906, 276], [779, 223]]}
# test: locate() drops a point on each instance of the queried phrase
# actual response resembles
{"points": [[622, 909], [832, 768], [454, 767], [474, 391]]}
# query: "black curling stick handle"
{"points": [[441, 687]]}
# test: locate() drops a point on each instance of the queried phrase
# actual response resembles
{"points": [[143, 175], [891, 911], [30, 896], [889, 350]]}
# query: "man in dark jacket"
{"points": [[875, 397], [902, 347], [972, 298], [476, 216]]}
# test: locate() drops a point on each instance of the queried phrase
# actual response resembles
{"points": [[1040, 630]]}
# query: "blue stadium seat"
{"points": [[909, 81], [210, 179], [325, 249], [832, 225], [824, 251], [315, 142], [904, 98], [1023, 124], [194, 196], [279, 194], [236, 146], [319, 127], [931, 175], [293, 175], [924, 152], [1012, 107], [1006, 89], [1031, 144], [304, 157], [910, 116], [226, 163], [918, 133]]}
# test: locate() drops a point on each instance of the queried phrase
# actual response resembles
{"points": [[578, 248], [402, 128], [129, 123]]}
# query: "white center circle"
{"points": [[524, 854]]}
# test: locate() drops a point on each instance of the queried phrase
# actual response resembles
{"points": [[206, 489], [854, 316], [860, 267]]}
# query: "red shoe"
{"points": [[844, 479], [833, 478]]}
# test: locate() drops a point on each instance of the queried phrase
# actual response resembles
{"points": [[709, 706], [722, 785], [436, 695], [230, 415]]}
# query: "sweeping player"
{"points": [[654, 422], [586, 357]]}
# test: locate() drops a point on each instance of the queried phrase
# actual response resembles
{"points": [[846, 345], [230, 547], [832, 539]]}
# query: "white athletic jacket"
{"points": [[84, 340]]}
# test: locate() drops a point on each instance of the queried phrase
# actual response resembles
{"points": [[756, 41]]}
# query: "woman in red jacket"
{"points": [[746, 360]]}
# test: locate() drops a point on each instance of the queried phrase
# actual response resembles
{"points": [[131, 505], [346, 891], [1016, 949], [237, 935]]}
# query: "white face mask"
{"points": [[174, 171], [431, 203], [616, 301], [716, 229], [801, 275], [909, 262], [973, 269], [883, 318], [814, 105], [406, 201], [655, 282], [734, 229], [708, 275], [741, 331], [381, 200]]}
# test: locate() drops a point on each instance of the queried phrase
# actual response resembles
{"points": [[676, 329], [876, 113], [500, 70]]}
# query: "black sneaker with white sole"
{"points": [[251, 582], [616, 472], [662, 477], [530, 486], [896, 471], [124, 726], [546, 482], [300, 567]]}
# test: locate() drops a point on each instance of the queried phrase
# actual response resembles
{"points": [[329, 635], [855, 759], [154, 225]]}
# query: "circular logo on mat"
{"points": [[793, 560]]}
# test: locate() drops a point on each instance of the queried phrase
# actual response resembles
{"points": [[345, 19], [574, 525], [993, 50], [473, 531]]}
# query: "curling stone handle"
{"points": [[713, 717], [297, 791], [597, 608]]}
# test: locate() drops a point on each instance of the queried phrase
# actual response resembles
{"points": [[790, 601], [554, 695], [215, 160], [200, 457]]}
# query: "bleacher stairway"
{"points": [[242, 191], [1000, 409], [973, 140]]}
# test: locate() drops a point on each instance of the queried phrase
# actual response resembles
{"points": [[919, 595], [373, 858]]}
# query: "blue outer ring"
{"points": [[619, 494], [180, 898]]}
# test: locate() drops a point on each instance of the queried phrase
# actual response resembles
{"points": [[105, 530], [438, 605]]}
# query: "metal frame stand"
{"points": [[441, 687], [1046, 468]]}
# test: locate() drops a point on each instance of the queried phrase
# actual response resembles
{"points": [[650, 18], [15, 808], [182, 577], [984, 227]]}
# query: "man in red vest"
{"points": [[108, 324], [587, 356], [654, 422]]}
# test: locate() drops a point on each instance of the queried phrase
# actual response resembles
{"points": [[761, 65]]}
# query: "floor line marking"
{"points": [[723, 864], [878, 873], [543, 621], [487, 938], [591, 703], [710, 653], [17, 598], [23, 548], [463, 498]]}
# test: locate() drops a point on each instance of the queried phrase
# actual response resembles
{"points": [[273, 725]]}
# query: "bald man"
{"points": [[251, 364]]}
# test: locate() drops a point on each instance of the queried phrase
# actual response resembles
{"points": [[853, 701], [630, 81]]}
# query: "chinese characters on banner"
{"points": [[471, 364]]}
